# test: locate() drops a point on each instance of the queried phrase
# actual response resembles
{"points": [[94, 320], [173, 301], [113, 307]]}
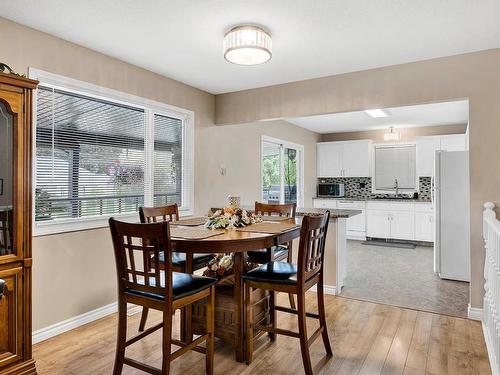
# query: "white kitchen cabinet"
{"points": [[428, 145], [325, 203], [402, 225], [378, 224], [426, 149], [424, 222], [392, 220], [453, 142], [344, 159]]}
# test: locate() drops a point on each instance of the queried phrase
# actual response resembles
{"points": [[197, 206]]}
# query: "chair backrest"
{"points": [[287, 209], [134, 244], [6, 231], [312, 245], [164, 213]]}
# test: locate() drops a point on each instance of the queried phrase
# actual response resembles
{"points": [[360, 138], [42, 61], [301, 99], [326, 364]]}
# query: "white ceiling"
{"points": [[182, 39], [447, 113]]}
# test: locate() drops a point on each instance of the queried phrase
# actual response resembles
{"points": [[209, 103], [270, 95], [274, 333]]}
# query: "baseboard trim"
{"points": [[491, 353], [475, 313], [72, 323], [327, 289]]}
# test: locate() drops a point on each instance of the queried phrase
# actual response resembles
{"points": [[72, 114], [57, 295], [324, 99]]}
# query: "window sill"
{"points": [[84, 224]]}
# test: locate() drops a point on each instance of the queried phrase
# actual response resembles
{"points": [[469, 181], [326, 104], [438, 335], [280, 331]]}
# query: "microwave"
{"points": [[331, 190]]}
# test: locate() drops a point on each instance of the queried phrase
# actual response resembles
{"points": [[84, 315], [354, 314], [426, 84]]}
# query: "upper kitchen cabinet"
{"points": [[427, 147], [344, 159]]}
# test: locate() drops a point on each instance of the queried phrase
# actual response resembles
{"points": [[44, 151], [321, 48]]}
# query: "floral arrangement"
{"points": [[219, 266], [231, 217]]}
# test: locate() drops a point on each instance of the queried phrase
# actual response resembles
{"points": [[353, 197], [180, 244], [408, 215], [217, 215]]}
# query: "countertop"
{"points": [[334, 213], [363, 199]]}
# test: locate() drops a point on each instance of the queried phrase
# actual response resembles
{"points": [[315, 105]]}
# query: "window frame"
{"points": [[150, 107]]}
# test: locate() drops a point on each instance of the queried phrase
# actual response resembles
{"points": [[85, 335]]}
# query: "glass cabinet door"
{"points": [[6, 181]]}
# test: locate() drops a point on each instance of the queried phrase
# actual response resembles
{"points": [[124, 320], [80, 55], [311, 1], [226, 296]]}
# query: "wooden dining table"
{"points": [[235, 242]]}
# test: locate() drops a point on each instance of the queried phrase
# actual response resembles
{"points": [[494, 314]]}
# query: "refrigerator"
{"points": [[451, 207]]}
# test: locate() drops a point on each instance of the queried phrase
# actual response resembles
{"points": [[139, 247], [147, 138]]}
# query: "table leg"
{"points": [[187, 311], [239, 301]]}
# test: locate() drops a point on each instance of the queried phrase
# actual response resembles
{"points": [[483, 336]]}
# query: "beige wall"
{"points": [[238, 148], [407, 134], [74, 273], [474, 76]]}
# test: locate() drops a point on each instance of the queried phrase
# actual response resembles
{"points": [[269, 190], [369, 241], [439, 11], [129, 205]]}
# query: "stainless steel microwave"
{"points": [[331, 190]]}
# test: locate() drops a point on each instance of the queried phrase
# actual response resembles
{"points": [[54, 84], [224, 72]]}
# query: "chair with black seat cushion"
{"points": [[281, 252], [157, 288], [179, 261], [296, 279]]}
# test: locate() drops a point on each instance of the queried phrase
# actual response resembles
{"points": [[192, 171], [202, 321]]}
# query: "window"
{"points": [[98, 156], [282, 166], [395, 165]]}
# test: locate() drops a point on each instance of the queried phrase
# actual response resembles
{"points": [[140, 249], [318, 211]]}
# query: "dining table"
{"points": [[237, 242]]}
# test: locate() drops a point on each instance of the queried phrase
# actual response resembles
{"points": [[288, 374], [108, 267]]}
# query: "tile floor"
{"points": [[402, 277]]}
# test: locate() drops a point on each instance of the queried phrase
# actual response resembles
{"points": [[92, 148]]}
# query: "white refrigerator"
{"points": [[451, 207]]}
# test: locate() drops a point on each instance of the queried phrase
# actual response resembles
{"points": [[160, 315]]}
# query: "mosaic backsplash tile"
{"points": [[361, 187]]}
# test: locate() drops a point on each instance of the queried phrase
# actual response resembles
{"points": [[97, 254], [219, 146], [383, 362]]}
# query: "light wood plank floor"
{"points": [[367, 339]]}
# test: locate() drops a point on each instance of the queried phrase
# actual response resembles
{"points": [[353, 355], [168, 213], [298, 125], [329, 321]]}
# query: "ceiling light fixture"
{"points": [[392, 135], [376, 113], [247, 45]]}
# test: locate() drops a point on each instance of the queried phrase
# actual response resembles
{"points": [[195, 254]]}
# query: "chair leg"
{"points": [[144, 318], [209, 355], [272, 313], [121, 338], [249, 323], [304, 347], [166, 342], [322, 318], [290, 260]]}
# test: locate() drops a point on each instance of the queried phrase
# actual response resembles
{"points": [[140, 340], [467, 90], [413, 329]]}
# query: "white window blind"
{"points": [[395, 163], [168, 166], [101, 153], [89, 156]]}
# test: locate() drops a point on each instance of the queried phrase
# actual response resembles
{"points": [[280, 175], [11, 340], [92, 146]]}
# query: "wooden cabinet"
{"points": [[15, 224], [379, 225], [344, 159], [402, 225], [393, 220]]}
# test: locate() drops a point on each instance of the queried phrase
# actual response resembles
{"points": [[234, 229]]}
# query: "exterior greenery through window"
{"points": [[91, 157]]}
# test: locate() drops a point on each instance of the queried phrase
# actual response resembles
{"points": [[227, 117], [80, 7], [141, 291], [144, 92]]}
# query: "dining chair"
{"points": [[281, 252], [179, 260], [157, 288], [296, 279]]}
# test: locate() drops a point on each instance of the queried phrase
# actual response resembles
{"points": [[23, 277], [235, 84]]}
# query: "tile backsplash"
{"points": [[361, 187]]}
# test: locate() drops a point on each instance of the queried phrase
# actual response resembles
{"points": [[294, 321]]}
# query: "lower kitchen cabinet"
{"points": [[424, 226], [379, 225], [402, 225]]}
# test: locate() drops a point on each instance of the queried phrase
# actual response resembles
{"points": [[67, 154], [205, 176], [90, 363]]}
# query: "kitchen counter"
{"points": [[334, 213], [363, 199]]}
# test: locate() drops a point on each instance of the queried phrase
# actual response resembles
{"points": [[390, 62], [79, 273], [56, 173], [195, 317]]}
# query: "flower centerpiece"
{"points": [[219, 266], [231, 217]]}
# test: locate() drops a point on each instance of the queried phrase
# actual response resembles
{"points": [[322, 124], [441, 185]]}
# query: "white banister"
{"points": [[491, 304]]}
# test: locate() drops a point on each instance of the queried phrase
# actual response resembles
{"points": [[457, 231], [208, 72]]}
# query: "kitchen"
{"points": [[406, 169]]}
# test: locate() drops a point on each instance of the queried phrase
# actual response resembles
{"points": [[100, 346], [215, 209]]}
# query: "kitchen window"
{"points": [[100, 153], [282, 171], [395, 166]]}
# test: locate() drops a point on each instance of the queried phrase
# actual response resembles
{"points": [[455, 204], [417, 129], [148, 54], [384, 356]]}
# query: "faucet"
{"points": [[396, 186]]}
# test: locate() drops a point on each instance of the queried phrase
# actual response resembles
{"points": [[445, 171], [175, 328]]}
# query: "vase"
{"points": [[233, 201]]}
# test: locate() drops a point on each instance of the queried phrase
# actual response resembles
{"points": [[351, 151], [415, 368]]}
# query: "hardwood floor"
{"points": [[367, 339]]}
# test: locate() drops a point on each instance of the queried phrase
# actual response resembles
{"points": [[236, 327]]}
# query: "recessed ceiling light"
{"points": [[247, 45], [376, 113]]}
